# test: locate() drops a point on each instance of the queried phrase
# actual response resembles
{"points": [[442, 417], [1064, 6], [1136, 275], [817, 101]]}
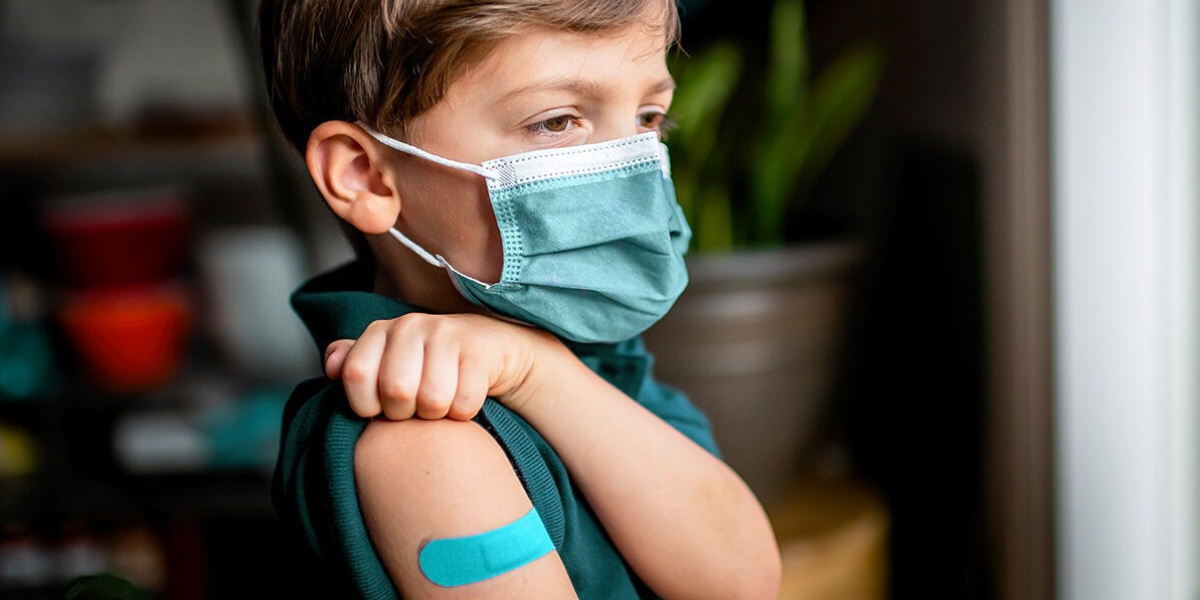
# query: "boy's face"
{"points": [[541, 89]]}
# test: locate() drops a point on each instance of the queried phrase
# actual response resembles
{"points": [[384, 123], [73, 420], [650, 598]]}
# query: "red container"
{"points": [[130, 340], [120, 239]]}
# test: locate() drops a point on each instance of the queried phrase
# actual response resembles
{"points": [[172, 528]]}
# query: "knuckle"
{"points": [[365, 409], [395, 388], [460, 412], [435, 325], [377, 326], [466, 406], [413, 319], [355, 372], [398, 410], [426, 411], [434, 397]]}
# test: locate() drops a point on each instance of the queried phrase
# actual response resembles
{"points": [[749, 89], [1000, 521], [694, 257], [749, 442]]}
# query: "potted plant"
{"points": [[755, 340]]}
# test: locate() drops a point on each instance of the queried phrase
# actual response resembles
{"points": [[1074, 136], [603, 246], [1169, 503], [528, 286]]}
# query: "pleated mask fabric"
{"points": [[593, 238]]}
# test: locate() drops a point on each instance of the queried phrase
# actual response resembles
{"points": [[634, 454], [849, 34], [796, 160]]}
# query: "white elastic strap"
{"points": [[415, 151], [411, 245]]}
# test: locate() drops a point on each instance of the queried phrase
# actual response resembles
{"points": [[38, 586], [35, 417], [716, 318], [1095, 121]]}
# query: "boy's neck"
{"points": [[403, 275]]}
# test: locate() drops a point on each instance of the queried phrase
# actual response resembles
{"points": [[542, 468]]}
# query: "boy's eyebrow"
{"points": [[585, 87], [664, 85]]}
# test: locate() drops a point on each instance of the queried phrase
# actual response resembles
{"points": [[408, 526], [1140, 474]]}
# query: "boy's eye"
{"points": [[650, 120], [557, 124], [656, 121]]}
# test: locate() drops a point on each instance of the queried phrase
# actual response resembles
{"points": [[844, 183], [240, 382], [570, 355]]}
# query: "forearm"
{"points": [[685, 522]]}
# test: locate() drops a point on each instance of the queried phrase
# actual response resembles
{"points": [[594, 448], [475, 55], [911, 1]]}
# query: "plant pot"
{"points": [[756, 342]]}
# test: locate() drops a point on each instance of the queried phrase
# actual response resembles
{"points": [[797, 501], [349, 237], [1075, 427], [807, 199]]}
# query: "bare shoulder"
{"points": [[428, 455], [423, 480], [444, 476]]}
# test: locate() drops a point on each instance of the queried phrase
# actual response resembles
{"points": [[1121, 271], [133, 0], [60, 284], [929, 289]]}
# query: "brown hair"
{"points": [[385, 62]]}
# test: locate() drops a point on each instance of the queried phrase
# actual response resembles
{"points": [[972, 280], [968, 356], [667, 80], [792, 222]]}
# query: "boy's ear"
{"points": [[351, 172]]}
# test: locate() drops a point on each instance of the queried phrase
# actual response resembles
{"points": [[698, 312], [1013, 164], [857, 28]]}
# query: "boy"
{"points": [[511, 248]]}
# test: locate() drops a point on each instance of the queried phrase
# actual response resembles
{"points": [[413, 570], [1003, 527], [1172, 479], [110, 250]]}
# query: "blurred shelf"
{"points": [[81, 473], [232, 133], [48, 498]]}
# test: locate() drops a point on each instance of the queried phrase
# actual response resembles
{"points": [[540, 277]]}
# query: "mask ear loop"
{"points": [[415, 151], [419, 251], [441, 263]]}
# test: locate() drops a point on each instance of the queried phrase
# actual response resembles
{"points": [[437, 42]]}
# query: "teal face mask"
{"points": [[593, 238]]}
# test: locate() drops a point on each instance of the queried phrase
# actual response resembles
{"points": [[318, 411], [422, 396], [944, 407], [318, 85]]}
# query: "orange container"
{"points": [[131, 339]]}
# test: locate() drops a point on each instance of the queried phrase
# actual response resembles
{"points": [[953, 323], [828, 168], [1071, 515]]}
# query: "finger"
{"points": [[335, 357], [400, 371], [472, 389], [360, 373], [439, 378]]}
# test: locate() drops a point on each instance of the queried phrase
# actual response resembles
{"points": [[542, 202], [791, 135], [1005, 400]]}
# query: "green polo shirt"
{"points": [[314, 489]]}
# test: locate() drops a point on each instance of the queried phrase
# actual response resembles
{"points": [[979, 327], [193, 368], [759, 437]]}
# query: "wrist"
{"points": [[546, 360]]}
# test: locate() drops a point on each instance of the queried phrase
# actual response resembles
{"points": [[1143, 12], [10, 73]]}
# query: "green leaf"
{"points": [[788, 63], [840, 99], [784, 131], [703, 87], [809, 137], [714, 227]]}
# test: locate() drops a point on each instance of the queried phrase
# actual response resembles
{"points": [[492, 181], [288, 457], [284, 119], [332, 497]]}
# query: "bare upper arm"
{"points": [[420, 480]]}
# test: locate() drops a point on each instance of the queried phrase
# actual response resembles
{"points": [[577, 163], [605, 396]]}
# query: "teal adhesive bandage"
{"points": [[460, 561]]}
